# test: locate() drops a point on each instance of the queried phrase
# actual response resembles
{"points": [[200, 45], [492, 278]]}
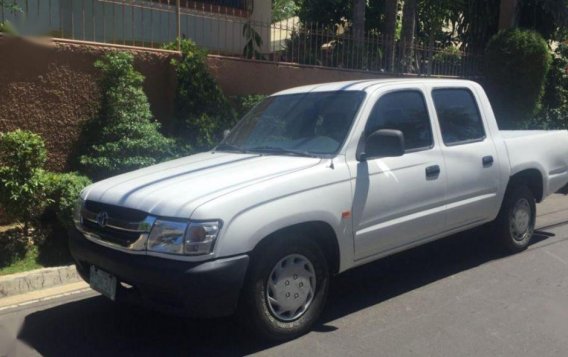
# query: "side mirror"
{"points": [[382, 143]]}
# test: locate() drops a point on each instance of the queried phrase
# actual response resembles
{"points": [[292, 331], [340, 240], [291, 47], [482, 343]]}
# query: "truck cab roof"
{"points": [[369, 85]]}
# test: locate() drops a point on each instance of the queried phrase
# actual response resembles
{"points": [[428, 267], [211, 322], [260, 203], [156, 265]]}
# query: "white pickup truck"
{"points": [[312, 182]]}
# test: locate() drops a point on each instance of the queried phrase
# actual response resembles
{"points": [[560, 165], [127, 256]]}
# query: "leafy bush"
{"points": [[253, 42], [22, 194], [6, 27], [516, 65], [549, 119], [9, 6], [448, 56], [556, 87], [63, 189], [201, 110], [554, 106], [124, 137]]}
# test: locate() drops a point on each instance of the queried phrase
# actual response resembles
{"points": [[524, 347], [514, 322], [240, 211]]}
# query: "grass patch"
{"points": [[46, 248], [25, 263]]}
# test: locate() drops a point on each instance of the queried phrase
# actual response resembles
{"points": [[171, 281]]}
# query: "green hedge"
{"points": [[516, 63], [63, 190], [22, 190], [26, 189]]}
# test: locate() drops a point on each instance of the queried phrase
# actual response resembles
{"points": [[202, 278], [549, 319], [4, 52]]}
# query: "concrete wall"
{"points": [[240, 77], [51, 87], [130, 23]]}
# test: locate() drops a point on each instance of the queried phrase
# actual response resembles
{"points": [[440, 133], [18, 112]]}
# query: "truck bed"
{"points": [[547, 150]]}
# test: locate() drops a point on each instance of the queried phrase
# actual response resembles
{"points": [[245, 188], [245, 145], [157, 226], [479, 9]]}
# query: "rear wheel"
{"points": [[514, 226], [286, 289]]}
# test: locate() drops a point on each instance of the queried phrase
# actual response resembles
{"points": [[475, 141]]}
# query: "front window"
{"points": [[310, 124], [405, 111]]}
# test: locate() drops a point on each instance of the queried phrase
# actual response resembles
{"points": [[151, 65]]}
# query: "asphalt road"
{"points": [[454, 297]]}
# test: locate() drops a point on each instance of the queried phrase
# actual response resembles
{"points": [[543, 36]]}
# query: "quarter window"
{"points": [[458, 115], [405, 111]]}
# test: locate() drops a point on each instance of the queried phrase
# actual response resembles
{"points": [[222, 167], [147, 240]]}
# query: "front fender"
{"points": [[323, 204]]}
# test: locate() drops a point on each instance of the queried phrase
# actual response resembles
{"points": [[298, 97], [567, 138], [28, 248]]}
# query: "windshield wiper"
{"points": [[279, 150], [230, 147]]}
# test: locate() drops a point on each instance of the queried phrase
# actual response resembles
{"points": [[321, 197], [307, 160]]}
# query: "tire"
{"points": [[514, 226], [280, 272]]}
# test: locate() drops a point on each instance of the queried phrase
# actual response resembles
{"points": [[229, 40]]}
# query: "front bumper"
{"points": [[202, 289]]}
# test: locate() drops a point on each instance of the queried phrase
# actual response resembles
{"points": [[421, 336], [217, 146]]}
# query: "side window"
{"points": [[405, 111], [458, 115]]}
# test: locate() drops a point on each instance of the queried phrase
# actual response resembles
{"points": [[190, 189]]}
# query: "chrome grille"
{"points": [[123, 226]]}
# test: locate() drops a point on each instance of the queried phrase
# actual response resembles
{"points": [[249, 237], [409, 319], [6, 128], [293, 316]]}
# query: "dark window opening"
{"points": [[458, 115], [405, 111]]}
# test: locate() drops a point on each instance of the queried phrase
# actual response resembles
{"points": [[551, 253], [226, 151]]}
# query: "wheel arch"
{"points": [[534, 180], [319, 232]]}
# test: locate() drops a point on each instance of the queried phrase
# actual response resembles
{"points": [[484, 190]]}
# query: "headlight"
{"points": [[167, 237], [171, 237]]}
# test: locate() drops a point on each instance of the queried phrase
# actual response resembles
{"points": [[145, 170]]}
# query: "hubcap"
{"points": [[520, 222], [291, 287]]}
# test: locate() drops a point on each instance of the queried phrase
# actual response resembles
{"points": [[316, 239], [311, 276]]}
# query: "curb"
{"points": [[33, 280]]}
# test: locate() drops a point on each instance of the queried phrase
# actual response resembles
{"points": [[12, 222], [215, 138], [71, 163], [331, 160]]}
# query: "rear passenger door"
{"points": [[470, 158]]}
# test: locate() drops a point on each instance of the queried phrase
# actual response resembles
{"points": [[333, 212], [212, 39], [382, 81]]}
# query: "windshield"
{"points": [[310, 124]]}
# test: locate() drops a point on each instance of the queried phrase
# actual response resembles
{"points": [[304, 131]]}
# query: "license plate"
{"points": [[103, 282]]}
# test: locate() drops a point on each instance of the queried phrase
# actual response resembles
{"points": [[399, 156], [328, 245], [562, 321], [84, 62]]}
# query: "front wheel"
{"points": [[286, 289], [514, 227]]}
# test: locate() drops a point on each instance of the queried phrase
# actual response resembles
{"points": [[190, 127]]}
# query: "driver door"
{"points": [[398, 201]]}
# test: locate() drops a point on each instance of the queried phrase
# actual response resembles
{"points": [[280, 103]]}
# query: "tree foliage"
{"points": [[253, 42], [22, 194], [547, 17], [10, 6], [124, 137], [554, 105], [517, 62], [202, 111], [63, 190], [283, 9]]}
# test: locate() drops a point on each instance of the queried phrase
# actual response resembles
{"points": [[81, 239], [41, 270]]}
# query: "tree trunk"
{"points": [[359, 19], [408, 29], [359, 28], [508, 14], [391, 10]]}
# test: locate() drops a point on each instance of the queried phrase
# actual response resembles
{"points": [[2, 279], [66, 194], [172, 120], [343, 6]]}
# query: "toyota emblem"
{"points": [[102, 219]]}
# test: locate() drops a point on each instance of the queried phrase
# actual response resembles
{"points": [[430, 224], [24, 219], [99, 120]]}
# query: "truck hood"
{"points": [[176, 188]]}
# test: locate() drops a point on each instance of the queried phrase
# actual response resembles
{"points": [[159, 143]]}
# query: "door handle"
{"points": [[487, 161], [432, 171]]}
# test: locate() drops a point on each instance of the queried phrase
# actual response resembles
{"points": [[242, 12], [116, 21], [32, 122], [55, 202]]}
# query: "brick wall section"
{"points": [[50, 87]]}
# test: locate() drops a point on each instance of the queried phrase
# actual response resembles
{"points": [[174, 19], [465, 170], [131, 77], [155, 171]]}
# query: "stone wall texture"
{"points": [[50, 86]]}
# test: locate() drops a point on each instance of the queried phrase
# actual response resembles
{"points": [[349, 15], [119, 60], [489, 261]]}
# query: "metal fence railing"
{"points": [[232, 28]]}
